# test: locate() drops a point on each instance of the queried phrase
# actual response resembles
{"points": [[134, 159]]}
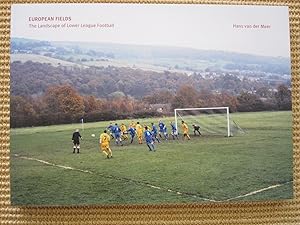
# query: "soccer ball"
{"points": [[93, 135]]}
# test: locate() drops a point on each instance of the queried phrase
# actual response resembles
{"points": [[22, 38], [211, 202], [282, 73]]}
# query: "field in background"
{"points": [[203, 169], [159, 66]]}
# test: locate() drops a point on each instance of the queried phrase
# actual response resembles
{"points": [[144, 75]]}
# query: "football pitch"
{"points": [[255, 165]]}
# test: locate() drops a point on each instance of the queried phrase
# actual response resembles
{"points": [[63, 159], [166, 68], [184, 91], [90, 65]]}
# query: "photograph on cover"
{"points": [[149, 104]]}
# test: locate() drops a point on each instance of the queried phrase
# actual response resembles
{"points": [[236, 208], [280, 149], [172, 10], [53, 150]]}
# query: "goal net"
{"points": [[212, 121]]}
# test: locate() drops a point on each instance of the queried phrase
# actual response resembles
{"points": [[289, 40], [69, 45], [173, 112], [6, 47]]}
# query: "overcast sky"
{"points": [[196, 26]]}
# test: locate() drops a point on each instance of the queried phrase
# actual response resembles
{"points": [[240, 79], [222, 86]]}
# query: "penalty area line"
{"points": [[258, 191], [53, 164], [180, 193]]}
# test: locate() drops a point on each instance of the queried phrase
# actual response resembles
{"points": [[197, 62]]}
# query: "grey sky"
{"points": [[196, 26]]}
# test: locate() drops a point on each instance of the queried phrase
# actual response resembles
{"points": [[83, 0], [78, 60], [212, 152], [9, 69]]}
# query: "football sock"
{"points": [[109, 152]]}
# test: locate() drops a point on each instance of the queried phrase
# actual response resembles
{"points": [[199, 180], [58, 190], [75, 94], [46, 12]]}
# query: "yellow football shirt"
{"points": [[123, 128], [139, 129], [185, 128], [104, 138]]}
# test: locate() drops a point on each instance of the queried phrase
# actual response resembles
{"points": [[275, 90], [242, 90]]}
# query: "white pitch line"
{"points": [[52, 164], [258, 191], [149, 185], [159, 188]]}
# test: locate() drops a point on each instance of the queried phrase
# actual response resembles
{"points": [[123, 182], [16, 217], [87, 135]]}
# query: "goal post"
{"points": [[219, 117]]}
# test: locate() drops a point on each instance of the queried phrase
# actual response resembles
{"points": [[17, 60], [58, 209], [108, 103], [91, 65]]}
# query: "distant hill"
{"points": [[40, 58], [158, 58]]}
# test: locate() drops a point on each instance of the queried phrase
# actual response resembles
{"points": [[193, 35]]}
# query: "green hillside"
{"points": [[41, 59]]}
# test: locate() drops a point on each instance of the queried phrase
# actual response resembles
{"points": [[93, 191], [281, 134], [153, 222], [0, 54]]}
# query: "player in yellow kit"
{"points": [[139, 132], [124, 132], [185, 130], [104, 144], [132, 124]]}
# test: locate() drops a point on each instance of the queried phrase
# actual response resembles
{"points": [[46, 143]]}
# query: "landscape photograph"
{"points": [[149, 104]]}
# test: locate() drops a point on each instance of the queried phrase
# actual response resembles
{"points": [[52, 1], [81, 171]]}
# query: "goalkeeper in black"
{"points": [[76, 140], [196, 129]]}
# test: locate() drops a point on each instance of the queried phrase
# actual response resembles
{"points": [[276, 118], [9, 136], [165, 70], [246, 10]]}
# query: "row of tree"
{"points": [[33, 78], [63, 104]]}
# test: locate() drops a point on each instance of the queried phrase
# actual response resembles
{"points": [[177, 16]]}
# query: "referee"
{"points": [[76, 140]]}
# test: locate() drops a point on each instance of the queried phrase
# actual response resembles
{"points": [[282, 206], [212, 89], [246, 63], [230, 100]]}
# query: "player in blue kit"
{"points": [[131, 131], [162, 130], [174, 131], [117, 134], [111, 130], [166, 133], [149, 139], [154, 133]]}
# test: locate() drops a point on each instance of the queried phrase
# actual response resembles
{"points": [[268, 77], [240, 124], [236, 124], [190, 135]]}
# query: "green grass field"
{"points": [[256, 165]]}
